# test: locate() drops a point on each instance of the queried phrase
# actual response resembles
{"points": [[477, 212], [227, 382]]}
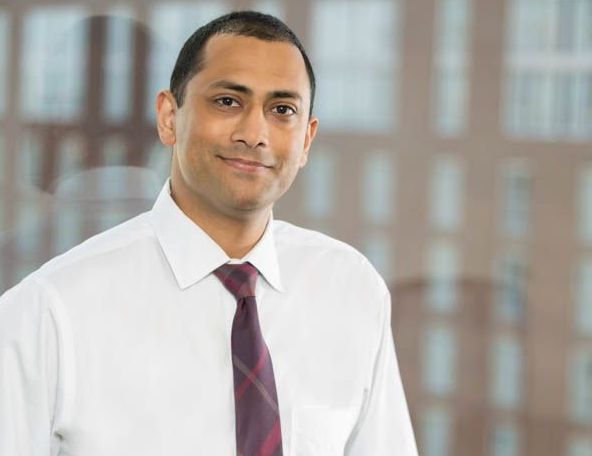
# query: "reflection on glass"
{"points": [[159, 161], [581, 386], [437, 432], [443, 272], [548, 87], [585, 204], [580, 446], [274, 7], [379, 182], [173, 23], [446, 194], [52, 82], [583, 299], [4, 54], [510, 294], [119, 60], [451, 65], [378, 250], [319, 188], [67, 228], [439, 360], [366, 60], [504, 440], [30, 160], [506, 372], [516, 188]]}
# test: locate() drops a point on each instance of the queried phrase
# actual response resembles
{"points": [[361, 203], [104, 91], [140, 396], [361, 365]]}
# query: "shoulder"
{"points": [[106, 251], [318, 253]]}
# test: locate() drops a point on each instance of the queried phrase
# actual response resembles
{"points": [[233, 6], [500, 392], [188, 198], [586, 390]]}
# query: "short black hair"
{"points": [[241, 23]]}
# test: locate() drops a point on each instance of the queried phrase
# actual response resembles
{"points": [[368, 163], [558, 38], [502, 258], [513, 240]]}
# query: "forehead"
{"points": [[258, 64]]}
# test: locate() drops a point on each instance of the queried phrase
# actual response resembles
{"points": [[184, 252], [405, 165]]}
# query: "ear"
{"points": [[166, 110], [311, 132]]}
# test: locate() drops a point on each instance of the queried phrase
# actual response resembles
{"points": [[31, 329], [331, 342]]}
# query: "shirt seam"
{"points": [[66, 384]]}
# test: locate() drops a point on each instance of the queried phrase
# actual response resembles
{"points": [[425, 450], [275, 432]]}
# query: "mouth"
{"points": [[242, 164]]}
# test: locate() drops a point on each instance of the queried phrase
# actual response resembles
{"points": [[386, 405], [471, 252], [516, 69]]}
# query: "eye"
{"points": [[227, 102], [284, 110]]}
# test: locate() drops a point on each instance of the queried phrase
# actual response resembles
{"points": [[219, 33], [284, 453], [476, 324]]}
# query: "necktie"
{"points": [[258, 430]]}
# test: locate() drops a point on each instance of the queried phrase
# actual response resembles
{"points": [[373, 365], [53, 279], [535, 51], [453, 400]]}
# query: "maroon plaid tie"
{"points": [[258, 430]]}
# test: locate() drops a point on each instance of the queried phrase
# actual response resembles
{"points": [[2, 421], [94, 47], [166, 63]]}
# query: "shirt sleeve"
{"points": [[29, 362], [384, 427]]}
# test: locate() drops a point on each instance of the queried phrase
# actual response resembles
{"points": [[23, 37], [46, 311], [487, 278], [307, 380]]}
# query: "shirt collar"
{"points": [[192, 254]]}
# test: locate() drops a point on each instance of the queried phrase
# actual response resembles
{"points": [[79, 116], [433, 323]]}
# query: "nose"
{"points": [[251, 128]]}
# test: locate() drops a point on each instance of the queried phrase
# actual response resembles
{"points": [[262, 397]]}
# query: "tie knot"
{"points": [[239, 279]]}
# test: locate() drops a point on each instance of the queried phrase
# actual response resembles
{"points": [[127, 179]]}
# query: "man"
{"points": [[205, 327]]}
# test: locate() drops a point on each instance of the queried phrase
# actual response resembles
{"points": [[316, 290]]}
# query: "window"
{"points": [[579, 446], [511, 283], [114, 154], [516, 195], [437, 432], [159, 161], [357, 72], [446, 194], [443, 270], [585, 204], [504, 440], [439, 360], [173, 23], [4, 55], [273, 7], [451, 66], [119, 59], [319, 188], [378, 188], [581, 386], [583, 298], [549, 69], [67, 228], [30, 160], [506, 372], [52, 85], [378, 250]]}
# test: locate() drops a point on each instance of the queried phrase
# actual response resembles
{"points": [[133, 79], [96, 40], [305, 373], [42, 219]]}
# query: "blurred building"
{"points": [[455, 151]]}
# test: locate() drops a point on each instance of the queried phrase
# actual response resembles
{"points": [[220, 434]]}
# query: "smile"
{"points": [[244, 165]]}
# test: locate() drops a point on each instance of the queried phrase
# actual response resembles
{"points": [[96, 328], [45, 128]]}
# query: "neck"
{"points": [[235, 235]]}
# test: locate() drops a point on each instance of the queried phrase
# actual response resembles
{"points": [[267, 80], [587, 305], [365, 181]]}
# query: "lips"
{"points": [[244, 164]]}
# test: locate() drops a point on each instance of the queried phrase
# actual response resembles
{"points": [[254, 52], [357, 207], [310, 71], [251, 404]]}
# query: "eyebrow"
{"points": [[224, 84]]}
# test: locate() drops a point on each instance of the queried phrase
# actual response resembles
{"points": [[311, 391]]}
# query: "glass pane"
{"points": [[53, 63], [356, 72], [119, 59], [506, 372], [504, 441], [378, 250], [319, 188], [439, 360], [173, 23], [446, 194], [437, 432], [581, 386], [443, 270], [378, 188], [4, 55]]}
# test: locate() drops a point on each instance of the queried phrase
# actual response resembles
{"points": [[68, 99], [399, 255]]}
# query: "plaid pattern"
{"points": [[258, 429]]}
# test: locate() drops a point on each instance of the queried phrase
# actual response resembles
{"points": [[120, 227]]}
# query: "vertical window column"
{"points": [[451, 66], [357, 72]]}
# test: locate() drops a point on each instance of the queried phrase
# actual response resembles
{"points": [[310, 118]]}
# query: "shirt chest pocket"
{"points": [[321, 430]]}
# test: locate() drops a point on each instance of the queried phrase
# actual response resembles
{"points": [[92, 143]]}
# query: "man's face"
{"points": [[243, 131]]}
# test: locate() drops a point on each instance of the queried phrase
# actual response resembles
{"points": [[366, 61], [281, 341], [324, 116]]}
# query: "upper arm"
{"points": [[384, 427], [29, 371]]}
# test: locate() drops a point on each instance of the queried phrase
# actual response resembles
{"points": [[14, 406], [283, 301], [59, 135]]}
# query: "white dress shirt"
{"points": [[121, 346]]}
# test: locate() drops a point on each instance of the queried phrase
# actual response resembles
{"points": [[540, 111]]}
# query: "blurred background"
{"points": [[455, 151]]}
